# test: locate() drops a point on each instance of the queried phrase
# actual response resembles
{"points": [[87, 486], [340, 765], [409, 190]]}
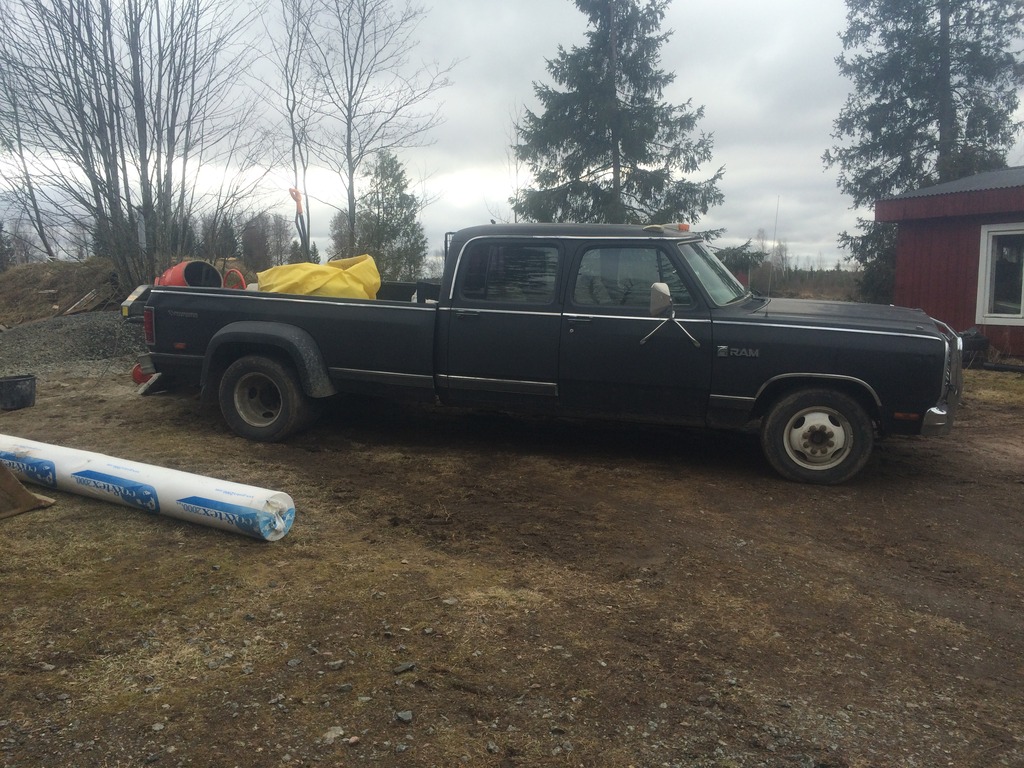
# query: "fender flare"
{"points": [[824, 379], [254, 336]]}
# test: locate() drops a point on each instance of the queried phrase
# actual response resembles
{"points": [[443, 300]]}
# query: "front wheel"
{"points": [[262, 399], [817, 436]]}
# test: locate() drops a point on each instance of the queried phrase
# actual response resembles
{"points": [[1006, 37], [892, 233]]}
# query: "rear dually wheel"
{"points": [[261, 399]]}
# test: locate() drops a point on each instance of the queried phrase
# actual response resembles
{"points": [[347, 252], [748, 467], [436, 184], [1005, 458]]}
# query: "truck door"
{"points": [[503, 324], [610, 362]]}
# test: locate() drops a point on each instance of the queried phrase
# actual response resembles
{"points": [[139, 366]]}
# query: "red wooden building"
{"points": [[960, 253]]}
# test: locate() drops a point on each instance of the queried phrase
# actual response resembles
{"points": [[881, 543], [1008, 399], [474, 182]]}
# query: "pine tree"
{"points": [[388, 223], [605, 147], [935, 86], [741, 259], [387, 226]]}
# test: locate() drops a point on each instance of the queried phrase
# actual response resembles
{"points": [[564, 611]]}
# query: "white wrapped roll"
{"points": [[246, 509]]}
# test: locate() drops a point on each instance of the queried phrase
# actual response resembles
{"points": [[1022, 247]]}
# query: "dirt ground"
{"points": [[474, 589]]}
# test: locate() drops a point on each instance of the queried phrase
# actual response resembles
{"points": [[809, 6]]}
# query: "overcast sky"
{"points": [[765, 74]]}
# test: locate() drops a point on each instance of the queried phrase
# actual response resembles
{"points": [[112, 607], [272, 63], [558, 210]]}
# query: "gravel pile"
{"points": [[89, 344]]}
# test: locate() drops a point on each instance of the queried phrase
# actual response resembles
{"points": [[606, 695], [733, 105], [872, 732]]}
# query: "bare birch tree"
{"points": [[110, 111], [373, 96], [296, 94]]}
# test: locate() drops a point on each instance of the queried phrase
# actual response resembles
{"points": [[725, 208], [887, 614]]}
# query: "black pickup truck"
{"points": [[603, 321]]}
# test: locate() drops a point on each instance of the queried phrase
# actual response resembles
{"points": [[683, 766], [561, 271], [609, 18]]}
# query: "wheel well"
{"points": [[780, 388]]}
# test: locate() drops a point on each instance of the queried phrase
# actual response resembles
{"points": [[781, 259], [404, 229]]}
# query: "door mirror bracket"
{"points": [[661, 303]]}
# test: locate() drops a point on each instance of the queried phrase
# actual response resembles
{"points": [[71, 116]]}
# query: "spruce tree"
{"points": [[388, 221], [387, 225], [935, 86], [606, 147]]}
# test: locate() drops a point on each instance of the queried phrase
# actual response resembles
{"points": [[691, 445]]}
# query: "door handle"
{"points": [[462, 314], [574, 321]]}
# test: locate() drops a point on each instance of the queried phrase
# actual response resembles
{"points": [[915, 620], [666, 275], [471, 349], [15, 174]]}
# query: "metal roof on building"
{"points": [[1005, 178]]}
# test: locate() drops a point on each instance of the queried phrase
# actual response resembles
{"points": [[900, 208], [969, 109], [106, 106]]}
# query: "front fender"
{"points": [[254, 336]]}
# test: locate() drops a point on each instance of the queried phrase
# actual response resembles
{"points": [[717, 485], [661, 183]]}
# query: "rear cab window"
{"points": [[507, 273]]}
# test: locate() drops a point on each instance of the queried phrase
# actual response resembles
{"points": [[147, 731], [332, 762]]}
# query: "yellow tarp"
{"points": [[353, 278]]}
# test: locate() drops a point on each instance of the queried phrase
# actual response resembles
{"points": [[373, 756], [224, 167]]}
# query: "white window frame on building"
{"points": [[990, 309]]}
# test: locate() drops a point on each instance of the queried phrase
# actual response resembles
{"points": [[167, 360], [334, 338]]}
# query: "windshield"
{"points": [[712, 273]]}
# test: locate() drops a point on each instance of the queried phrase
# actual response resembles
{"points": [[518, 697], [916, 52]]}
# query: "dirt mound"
{"points": [[38, 338], [89, 345], [36, 291]]}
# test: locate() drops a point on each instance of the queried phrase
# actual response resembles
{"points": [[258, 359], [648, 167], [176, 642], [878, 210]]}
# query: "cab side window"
{"points": [[610, 277], [510, 273]]}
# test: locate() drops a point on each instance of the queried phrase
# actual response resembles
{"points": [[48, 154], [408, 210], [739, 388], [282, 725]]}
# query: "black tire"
{"points": [[262, 399], [817, 436]]}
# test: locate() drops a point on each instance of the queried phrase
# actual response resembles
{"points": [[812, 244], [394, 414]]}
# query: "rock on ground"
{"points": [[85, 345]]}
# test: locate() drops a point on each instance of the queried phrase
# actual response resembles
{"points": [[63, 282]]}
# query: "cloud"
{"points": [[765, 74]]}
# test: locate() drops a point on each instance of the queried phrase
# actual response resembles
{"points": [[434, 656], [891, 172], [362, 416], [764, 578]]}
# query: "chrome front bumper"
{"points": [[939, 419]]}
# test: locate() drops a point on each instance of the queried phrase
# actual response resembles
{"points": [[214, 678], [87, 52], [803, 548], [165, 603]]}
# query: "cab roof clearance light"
{"points": [[679, 227]]}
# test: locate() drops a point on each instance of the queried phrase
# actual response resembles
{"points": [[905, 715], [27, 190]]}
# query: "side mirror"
{"points": [[661, 299]]}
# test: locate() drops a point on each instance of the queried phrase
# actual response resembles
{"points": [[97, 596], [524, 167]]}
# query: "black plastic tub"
{"points": [[17, 392]]}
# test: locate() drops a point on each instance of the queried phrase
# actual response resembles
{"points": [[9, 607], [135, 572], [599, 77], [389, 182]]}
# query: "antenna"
{"points": [[771, 261]]}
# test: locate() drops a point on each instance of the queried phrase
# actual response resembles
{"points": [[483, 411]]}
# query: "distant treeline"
{"points": [[834, 284]]}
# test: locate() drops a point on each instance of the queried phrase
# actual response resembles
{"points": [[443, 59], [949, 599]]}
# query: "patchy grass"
{"points": [[996, 387]]}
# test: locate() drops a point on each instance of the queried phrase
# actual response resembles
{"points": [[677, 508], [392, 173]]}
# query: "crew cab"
{"points": [[636, 323]]}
